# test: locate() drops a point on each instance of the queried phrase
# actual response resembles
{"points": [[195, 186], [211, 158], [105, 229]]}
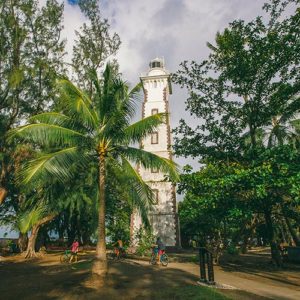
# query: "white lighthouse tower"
{"points": [[163, 216]]}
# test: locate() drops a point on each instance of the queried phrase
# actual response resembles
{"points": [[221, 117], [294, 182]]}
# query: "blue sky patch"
{"points": [[73, 2]]}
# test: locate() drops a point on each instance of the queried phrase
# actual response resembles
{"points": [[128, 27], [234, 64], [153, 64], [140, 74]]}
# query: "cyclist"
{"points": [[160, 248], [74, 250], [119, 249]]}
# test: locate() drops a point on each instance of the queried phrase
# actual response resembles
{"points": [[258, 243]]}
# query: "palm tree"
{"points": [[96, 130], [283, 131]]}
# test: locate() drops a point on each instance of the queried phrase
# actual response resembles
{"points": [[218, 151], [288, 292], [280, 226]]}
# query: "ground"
{"points": [[46, 278]]}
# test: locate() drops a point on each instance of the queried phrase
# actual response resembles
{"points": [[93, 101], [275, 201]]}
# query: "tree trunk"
{"points": [[275, 254], [292, 232], [3, 190], [22, 241], [3, 193], [244, 247], [100, 264], [30, 252]]}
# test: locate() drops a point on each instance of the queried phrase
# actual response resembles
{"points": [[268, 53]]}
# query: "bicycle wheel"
{"points": [[122, 256], [64, 258], [152, 259], [164, 260]]}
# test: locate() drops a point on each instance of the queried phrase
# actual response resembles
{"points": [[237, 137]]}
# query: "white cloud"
{"points": [[175, 29]]}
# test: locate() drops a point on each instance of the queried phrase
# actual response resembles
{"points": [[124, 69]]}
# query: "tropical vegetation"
{"points": [[246, 95]]}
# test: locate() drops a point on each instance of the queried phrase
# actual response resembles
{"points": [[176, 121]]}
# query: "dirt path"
{"points": [[48, 279], [264, 284]]}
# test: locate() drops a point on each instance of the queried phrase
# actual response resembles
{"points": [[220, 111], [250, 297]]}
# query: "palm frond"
{"points": [[291, 110], [56, 164], [140, 193], [50, 134], [119, 110], [30, 217], [139, 130], [54, 118], [150, 160], [78, 104]]}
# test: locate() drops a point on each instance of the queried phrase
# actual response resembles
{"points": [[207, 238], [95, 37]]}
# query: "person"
{"points": [[74, 250], [119, 248], [161, 247]]}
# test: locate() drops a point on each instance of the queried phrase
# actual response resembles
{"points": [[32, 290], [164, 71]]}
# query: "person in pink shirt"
{"points": [[74, 250]]}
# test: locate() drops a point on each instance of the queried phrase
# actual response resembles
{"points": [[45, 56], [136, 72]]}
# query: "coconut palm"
{"points": [[96, 130], [281, 129]]}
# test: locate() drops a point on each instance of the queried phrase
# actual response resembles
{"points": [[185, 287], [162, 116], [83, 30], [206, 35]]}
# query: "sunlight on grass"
{"points": [[190, 293]]}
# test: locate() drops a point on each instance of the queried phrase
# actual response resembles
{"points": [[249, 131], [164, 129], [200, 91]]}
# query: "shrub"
{"points": [[145, 240], [233, 250]]}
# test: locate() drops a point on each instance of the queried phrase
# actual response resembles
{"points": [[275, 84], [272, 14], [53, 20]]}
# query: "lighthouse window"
{"points": [[155, 84], [155, 64], [154, 111], [154, 138], [155, 192]]}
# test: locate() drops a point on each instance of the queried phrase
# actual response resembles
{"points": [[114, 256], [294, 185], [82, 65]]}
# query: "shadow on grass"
{"points": [[125, 280]]}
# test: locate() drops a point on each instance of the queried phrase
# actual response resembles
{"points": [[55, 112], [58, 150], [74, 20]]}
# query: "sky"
{"points": [[177, 30]]}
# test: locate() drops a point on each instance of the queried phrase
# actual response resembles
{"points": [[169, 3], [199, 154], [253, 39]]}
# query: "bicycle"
{"points": [[120, 254], [65, 257], [117, 254], [164, 260]]}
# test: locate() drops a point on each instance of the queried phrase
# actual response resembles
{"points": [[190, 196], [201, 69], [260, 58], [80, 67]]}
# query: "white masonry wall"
{"points": [[163, 216]]}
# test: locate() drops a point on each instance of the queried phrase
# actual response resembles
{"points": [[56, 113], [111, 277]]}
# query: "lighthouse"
{"points": [[163, 215]]}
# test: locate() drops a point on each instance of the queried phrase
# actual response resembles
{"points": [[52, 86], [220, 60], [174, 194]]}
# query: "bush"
{"points": [[145, 240], [232, 249]]}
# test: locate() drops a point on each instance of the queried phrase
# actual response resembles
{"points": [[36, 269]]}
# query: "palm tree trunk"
{"points": [[100, 264], [30, 252]]}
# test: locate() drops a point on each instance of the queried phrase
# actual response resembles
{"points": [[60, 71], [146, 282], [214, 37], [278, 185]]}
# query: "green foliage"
{"points": [[91, 136], [90, 133], [246, 96], [31, 55], [232, 249], [250, 77], [145, 241], [30, 217], [94, 45], [119, 207]]}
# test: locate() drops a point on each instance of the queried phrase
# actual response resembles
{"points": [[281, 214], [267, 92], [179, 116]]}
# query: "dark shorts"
{"points": [[73, 253]]}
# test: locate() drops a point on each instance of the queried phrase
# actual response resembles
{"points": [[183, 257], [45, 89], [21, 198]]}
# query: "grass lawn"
{"points": [[47, 278], [190, 293]]}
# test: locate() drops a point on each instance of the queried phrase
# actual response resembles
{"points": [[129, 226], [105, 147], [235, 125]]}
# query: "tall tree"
{"points": [[249, 81], [31, 53], [249, 76], [93, 46], [97, 131]]}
